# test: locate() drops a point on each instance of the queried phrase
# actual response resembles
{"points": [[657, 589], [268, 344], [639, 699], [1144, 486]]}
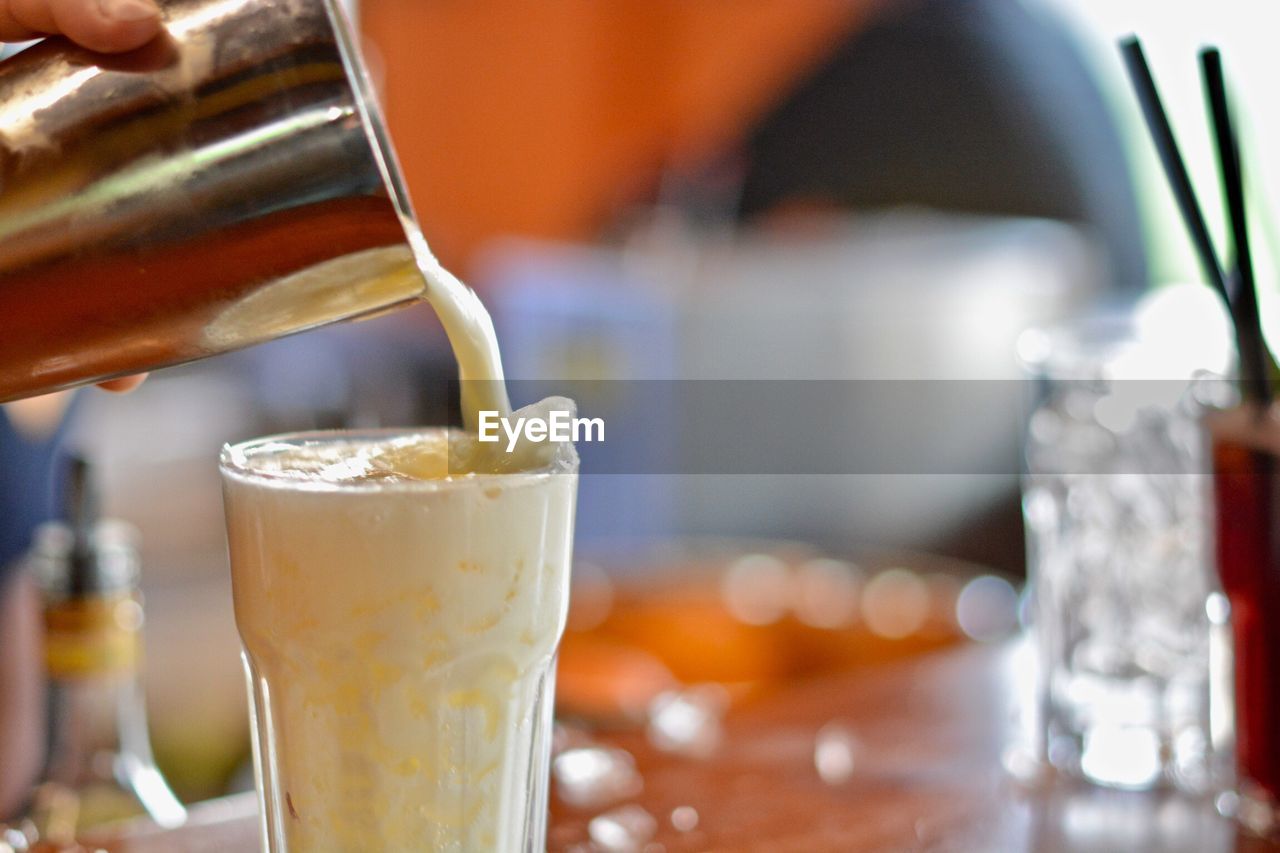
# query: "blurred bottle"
{"points": [[99, 767]]}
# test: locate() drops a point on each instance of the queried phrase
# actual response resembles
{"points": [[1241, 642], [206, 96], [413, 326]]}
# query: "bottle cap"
{"points": [[84, 556]]}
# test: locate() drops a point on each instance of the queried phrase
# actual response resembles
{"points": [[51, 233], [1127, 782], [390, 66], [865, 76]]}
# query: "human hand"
{"points": [[106, 26], [127, 383]]}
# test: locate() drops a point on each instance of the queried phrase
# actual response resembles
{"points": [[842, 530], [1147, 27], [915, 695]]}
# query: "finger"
{"points": [[11, 29], [127, 383], [108, 26]]}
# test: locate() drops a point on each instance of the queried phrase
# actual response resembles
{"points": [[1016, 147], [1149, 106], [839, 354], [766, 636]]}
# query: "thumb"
{"points": [[107, 26]]}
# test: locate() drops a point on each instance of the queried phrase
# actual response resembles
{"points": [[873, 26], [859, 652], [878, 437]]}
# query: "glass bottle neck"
{"points": [[99, 766]]}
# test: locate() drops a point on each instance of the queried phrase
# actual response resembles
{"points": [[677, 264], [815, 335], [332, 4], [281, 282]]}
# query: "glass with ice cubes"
{"points": [[1127, 621]]}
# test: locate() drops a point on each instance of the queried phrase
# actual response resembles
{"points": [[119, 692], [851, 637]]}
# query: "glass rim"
{"points": [[233, 463], [1046, 349]]}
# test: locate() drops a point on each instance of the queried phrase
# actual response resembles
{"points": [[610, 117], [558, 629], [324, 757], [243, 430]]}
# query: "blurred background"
{"points": [[762, 189]]}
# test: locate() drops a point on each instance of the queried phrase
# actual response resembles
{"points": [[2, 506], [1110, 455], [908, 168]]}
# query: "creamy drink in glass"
{"points": [[399, 595], [400, 606]]}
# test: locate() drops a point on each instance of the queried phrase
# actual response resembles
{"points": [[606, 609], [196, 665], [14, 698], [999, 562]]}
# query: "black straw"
{"points": [[1238, 291], [1174, 167], [81, 510], [1253, 355]]}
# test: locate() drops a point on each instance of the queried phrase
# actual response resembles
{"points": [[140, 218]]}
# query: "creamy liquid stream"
{"points": [[363, 285], [471, 336]]}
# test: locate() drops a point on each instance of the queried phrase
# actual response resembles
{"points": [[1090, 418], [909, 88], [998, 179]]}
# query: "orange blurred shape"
{"points": [[543, 119], [679, 627], [603, 679], [698, 639]]}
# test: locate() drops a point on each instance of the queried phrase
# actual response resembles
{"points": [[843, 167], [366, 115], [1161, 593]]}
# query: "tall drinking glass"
{"points": [[1116, 514], [399, 638], [1246, 477]]}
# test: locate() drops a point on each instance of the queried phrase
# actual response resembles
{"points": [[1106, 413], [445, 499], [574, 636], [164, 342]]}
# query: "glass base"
{"points": [[1135, 758], [478, 782], [1258, 811]]}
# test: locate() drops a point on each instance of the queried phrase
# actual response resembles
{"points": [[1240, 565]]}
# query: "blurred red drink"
{"points": [[1246, 476]]}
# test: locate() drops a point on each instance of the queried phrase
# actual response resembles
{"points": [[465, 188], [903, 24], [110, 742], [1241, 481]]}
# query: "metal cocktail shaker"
{"points": [[222, 186]]}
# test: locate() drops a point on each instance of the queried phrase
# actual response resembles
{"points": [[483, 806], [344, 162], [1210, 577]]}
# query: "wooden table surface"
{"points": [[915, 766]]}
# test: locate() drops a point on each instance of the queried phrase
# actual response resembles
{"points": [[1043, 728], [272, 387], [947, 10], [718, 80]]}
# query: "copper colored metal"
{"points": [[228, 183]]}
